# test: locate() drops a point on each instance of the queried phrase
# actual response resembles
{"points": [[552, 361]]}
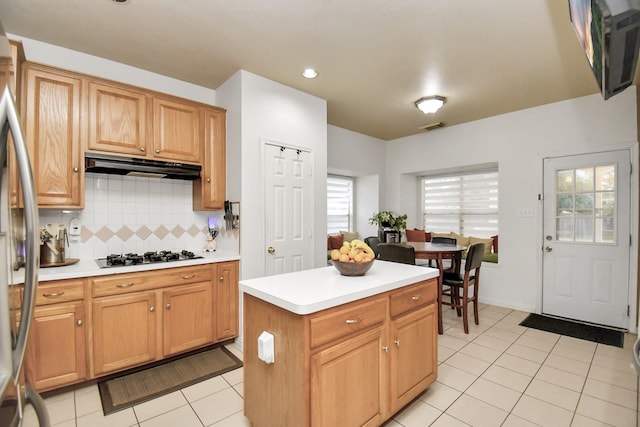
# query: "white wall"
{"points": [[273, 112], [364, 158], [518, 141]]}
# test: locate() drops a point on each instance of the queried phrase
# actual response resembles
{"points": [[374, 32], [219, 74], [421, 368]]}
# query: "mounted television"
{"points": [[609, 31]]}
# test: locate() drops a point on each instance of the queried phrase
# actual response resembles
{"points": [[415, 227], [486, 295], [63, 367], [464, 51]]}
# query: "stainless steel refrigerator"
{"points": [[19, 249]]}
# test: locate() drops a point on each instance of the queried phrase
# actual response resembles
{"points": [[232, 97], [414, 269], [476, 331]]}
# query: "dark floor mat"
{"points": [[575, 329], [130, 389]]}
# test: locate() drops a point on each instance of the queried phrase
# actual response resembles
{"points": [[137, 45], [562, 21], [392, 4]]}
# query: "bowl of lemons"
{"points": [[353, 258]]}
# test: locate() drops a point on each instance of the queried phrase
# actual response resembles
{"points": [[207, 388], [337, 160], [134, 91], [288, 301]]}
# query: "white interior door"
{"points": [[287, 209], [586, 248]]}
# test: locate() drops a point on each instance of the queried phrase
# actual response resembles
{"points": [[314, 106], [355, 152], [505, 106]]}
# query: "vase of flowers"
{"points": [[388, 221]]}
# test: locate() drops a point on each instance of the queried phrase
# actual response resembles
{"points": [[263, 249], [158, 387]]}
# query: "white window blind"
{"points": [[339, 204], [465, 203]]}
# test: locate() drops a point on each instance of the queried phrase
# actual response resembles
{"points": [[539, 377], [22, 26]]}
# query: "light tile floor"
{"points": [[500, 374]]}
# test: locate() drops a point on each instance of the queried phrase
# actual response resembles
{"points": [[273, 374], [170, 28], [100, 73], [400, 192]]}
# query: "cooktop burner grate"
{"points": [[124, 260]]}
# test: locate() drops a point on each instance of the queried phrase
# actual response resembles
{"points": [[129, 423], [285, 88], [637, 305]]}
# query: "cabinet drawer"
{"points": [[355, 317], [415, 296], [133, 282], [59, 291]]}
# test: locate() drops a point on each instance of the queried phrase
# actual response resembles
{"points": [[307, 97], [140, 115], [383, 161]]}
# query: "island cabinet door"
{"points": [[413, 355], [349, 382], [187, 317]]}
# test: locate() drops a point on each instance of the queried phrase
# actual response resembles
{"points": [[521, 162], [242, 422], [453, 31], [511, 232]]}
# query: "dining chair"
{"points": [[444, 241], [461, 283], [397, 252], [373, 242]]}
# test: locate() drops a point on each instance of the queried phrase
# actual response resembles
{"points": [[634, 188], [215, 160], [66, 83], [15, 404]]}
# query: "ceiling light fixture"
{"points": [[310, 73], [121, 1], [430, 104]]}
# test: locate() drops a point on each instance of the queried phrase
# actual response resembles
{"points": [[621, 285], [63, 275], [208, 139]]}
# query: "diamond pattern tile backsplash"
{"points": [[125, 214]]}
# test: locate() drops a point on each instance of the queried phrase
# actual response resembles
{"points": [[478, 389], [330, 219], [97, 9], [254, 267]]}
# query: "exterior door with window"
{"points": [[586, 245], [287, 209]]}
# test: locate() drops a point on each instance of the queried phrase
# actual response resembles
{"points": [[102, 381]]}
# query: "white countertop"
{"points": [[89, 267], [308, 291]]}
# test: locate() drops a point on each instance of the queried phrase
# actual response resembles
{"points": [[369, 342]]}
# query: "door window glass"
{"points": [[585, 204]]}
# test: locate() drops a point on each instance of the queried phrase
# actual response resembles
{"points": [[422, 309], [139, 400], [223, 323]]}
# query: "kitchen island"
{"points": [[348, 351]]}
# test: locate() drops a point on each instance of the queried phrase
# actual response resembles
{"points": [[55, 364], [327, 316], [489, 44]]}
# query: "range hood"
{"points": [[131, 166]]}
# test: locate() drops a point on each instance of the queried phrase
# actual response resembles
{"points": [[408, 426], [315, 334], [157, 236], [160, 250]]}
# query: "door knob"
{"points": [[271, 249], [548, 249], [548, 237]]}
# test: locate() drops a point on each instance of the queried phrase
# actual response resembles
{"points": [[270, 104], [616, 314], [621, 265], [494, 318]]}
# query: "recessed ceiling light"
{"points": [[121, 1], [310, 73]]}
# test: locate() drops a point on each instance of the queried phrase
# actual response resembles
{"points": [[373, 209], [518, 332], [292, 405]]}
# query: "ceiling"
{"points": [[375, 58]]}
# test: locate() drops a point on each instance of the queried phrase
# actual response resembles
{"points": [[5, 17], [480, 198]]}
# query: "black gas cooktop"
{"points": [[119, 260]]}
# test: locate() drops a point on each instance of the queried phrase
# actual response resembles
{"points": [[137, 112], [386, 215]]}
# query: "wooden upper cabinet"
{"points": [[51, 106], [176, 130], [117, 119], [15, 77], [209, 192]]}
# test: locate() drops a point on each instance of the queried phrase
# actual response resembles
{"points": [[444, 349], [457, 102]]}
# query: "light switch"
{"points": [[266, 351]]}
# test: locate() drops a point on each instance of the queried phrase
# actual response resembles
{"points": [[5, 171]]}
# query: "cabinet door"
{"points": [[176, 130], [209, 192], [414, 355], [117, 119], [348, 382], [187, 317], [226, 301], [51, 114], [124, 331], [56, 350]]}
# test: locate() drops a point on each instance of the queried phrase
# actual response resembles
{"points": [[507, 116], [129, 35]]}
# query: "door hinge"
{"points": [[630, 240], [628, 310], [540, 197]]}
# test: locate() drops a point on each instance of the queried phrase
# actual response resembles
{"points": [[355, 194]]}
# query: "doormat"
{"points": [[574, 329], [137, 387]]}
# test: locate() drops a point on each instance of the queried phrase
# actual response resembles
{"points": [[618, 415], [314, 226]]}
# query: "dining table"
{"points": [[439, 252]]}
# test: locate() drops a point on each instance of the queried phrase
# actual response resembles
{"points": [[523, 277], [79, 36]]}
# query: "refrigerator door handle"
{"points": [[38, 406], [8, 113]]}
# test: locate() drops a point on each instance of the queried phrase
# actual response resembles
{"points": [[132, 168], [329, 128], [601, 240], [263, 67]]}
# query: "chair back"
{"points": [[444, 240], [397, 252], [416, 235], [373, 242], [474, 256]]}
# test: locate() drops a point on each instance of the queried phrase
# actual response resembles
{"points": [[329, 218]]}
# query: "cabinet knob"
{"points": [[79, 322], [157, 151], [152, 309], [168, 306], [143, 149], [75, 170], [208, 179], [221, 279], [386, 348], [397, 342]]}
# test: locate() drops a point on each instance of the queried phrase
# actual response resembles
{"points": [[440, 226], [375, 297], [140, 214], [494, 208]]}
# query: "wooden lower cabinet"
{"points": [[60, 329], [187, 318], [352, 365], [226, 300], [334, 372], [124, 331], [91, 327]]}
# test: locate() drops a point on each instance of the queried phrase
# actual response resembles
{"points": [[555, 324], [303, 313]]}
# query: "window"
{"points": [[586, 204], [339, 204], [463, 202]]}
